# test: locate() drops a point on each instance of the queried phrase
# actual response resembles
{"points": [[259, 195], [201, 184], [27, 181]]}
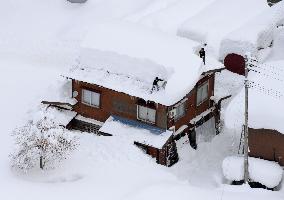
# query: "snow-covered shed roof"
{"points": [[268, 173], [61, 117], [209, 26], [126, 57], [266, 99], [256, 33], [139, 132]]}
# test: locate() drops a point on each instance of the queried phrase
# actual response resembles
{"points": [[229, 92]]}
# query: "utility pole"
{"points": [[246, 172]]}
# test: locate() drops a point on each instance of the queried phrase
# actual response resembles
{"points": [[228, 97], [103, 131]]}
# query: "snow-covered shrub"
{"points": [[41, 143]]}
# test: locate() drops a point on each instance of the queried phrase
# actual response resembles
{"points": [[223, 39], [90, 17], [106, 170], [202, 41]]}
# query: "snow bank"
{"points": [[266, 99], [129, 60], [138, 132], [268, 173], [256, 34], [207, 26]]}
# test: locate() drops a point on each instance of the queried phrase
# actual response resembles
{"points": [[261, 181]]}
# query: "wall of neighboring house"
{"points": [[267, 144], [113, 103], [192, 109]]}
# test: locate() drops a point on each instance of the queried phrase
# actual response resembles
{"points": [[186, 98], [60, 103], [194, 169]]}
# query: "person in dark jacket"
{"points": [[202, 54], [155, 84]]}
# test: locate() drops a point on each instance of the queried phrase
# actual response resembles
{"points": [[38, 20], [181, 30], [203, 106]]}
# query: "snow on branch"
{"points": [[41, 144]]}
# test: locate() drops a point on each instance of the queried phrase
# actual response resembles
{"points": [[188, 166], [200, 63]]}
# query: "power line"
{"points": [[268, 72], [265, 90], [266, 75]]}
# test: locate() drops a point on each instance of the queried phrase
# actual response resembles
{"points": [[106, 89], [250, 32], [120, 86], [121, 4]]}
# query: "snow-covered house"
{"points": [[114, 85], [266, 105], [256, 36]]}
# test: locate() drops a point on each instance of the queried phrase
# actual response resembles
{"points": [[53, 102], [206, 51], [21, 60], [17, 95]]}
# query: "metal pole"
{"points": [[246, 172]]}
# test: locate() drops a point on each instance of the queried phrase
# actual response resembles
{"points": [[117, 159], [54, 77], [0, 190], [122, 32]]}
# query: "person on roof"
{"points": [[155, 84], [202, 54]]}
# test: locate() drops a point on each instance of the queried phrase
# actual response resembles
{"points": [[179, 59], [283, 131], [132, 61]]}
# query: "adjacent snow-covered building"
{"points": [[208, 26], [168, 15], [138, 81], [255, 37]]}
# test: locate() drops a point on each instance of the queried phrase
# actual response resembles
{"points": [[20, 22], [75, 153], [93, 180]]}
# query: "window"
{"points": [[180, 110], [202, 93], [146, 114], [91, 98]]}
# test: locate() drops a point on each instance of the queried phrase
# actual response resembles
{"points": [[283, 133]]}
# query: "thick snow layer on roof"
{"points": [[129, 60], [257, 33], [138, 131], [266, 99], [209, 27], [64, 94], [60, 117], [170, 16], [268, 173], [278, 46]]}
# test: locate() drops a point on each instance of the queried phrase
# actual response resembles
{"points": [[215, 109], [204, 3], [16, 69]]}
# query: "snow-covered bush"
{"points": [[41, 143]]}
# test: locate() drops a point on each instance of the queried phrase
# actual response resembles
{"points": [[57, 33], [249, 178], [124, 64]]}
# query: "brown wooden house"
{"points": [[112, 95]]}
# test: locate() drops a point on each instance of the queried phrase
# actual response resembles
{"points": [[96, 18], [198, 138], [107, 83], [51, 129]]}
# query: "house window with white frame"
{"points": [[180, 110], [146, 114], [202, 93], [91, 98]]}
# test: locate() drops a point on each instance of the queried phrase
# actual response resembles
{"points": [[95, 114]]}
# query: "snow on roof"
{"points": [[170, 15], [210, 27], [278, 47], [266, 172], [89, 120], [126, 58], [63, 94], [138, 131], [59, 116], [266, 99], [256, 33]]}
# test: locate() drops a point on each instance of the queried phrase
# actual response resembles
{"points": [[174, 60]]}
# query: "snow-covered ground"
{"points": [[38, 40]]}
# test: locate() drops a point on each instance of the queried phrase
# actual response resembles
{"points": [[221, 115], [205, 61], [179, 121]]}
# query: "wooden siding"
{"points": [[192, 109], [166, 156], [117, 103], [266, 144], [113, 103]]}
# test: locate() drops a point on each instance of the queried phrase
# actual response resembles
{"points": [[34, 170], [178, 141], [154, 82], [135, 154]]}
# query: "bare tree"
{"points": [[41, 144]]}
